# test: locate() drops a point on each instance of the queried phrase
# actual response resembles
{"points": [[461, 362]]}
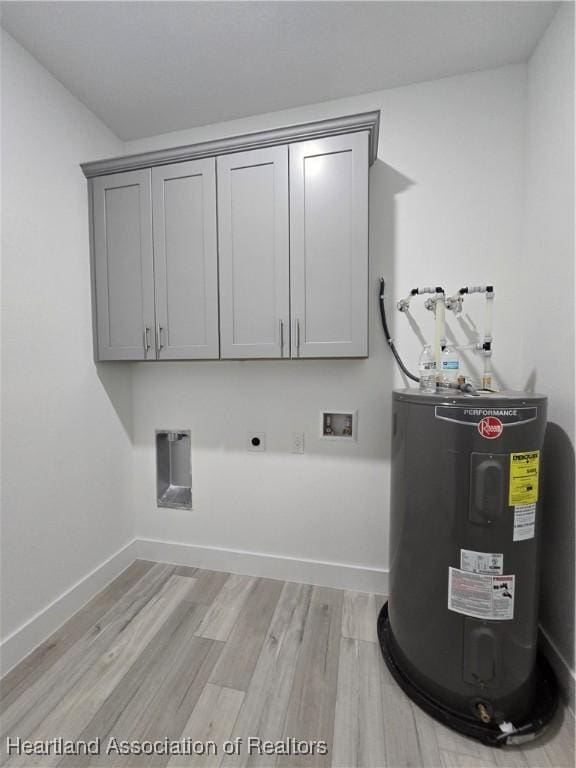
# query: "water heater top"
{"points": [[454, 397]]}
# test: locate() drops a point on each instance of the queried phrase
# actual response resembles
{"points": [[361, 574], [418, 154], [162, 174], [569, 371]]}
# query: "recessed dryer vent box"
{"points": [[173, 469], [339, 425]]}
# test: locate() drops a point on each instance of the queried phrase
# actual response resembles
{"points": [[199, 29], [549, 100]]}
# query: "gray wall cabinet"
{"points": [[185, 260], [329, 246], [123, 266], [254, 253], [249, 247], [156, 294]]}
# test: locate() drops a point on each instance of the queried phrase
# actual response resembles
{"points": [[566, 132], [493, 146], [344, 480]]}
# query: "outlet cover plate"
{"points": [[297, 442]]}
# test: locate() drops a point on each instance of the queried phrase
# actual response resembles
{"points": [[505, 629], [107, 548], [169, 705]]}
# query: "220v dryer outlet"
{"points": [[256, 441]]}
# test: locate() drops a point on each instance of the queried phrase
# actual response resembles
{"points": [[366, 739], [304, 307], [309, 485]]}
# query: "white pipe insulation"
{"points": [[440, 329], [488, 316]]}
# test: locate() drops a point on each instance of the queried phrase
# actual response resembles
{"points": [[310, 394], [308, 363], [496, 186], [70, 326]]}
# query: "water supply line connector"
{"points": [[437, 304], [465, 386], [454, 304], [404, 304], [477, 289]]}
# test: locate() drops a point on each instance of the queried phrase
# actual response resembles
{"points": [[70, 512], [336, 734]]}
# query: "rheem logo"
{"points": [[490, 427]]}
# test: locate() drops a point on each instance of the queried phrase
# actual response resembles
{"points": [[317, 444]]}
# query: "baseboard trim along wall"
{"points": [[36, 630], [566, 677], [317, 572]]}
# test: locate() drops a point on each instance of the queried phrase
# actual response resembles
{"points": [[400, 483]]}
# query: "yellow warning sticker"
{"points": [[524, 468]]}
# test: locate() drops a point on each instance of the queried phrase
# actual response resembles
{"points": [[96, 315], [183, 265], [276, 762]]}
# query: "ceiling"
{"points": [[151, 67]]}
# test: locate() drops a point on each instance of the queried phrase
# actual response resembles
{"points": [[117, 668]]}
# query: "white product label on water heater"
{"points": [[524, 522], [481, 595], [481, 562]]}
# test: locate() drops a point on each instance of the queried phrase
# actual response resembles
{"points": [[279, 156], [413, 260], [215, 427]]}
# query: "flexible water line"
{"points": [[389, 339]]}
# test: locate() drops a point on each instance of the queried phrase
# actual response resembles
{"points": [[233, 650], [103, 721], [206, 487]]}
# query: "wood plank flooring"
{"points": [[169, 653]]}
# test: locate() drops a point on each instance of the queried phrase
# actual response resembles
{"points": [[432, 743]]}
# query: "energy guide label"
{"points": [[524, 469], [524, 522], [481, 562], [482, 596]]}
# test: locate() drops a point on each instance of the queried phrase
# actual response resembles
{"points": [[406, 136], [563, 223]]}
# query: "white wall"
{"points": [[548, 332], [446, 207], [66, 443]]}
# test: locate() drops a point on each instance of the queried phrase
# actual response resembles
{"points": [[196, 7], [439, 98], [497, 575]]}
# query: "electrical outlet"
{"points": [[297, 442], [256, 441]]}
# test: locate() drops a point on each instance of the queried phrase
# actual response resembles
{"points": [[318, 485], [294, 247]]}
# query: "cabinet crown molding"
{"points": [[365, 121]]}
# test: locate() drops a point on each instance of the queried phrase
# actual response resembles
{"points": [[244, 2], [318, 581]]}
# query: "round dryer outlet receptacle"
{"points": [[256, 441]]}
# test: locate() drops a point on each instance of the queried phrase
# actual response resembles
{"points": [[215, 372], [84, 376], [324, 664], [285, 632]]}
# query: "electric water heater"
{"points": [[459, 631]]}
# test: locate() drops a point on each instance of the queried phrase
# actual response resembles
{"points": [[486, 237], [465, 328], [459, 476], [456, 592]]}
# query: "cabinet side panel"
{"points": [[93, 284]]}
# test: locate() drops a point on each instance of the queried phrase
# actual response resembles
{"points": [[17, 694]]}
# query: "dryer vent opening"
{"points": [[173, 469]]}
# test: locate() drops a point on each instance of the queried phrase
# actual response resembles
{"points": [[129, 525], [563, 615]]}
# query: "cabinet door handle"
{"points": [[159, 332], [146, 340], [281, 338], [298, 337]]}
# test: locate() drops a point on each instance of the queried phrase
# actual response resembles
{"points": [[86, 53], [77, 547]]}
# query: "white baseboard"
{"points": [[317, 572], [32, 633], [36, 630], [565, 676]]}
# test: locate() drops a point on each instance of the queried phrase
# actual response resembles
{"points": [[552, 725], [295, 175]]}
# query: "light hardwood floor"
{"points": [[168, 652]]}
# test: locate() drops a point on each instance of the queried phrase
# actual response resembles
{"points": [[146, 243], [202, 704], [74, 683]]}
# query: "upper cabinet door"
{"points": [[123, 266], [329, 246], [185, 260], [253, 241]]}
